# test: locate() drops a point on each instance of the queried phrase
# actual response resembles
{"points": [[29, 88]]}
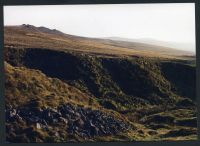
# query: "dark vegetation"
{"points": [[56, 95], [182, 78]]}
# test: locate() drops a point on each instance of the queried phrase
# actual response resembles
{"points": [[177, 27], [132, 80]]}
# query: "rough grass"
{"points": [[122, 81], [32, 85], [29, 88]]}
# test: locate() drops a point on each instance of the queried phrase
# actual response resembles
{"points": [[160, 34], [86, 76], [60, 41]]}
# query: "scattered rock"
{"points": [[80, 121], [38, 126], [61, 119]]}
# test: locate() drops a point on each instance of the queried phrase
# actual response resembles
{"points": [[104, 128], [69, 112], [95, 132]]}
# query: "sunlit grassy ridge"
{"points": [[28, 36]]}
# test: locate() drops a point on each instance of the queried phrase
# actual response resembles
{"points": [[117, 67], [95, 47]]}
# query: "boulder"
{"points": [[80, 123], [38, 126], [63, 120]]}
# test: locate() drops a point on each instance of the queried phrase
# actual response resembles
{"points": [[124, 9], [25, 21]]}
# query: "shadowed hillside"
{"points": [[182, 77]]}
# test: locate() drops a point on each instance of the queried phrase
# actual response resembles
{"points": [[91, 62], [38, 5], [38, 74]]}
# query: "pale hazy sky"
{"points": [[165, 22]]}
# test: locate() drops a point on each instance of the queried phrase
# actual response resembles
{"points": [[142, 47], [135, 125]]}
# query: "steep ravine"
{"points": [[140, 89]]}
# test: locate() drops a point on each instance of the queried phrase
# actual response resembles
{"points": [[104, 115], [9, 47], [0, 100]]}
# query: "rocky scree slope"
{"points": [[43, 109]]}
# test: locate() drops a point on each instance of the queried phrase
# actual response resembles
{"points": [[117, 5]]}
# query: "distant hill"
{"points": [[41, 29], [29, 36], [172, 45]]}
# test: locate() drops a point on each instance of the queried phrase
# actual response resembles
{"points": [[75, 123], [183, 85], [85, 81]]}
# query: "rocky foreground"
{"points": [[83, 122]]}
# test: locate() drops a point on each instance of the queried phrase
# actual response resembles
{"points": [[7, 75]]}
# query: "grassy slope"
{"points": [[33, 37], [28, 87]]}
